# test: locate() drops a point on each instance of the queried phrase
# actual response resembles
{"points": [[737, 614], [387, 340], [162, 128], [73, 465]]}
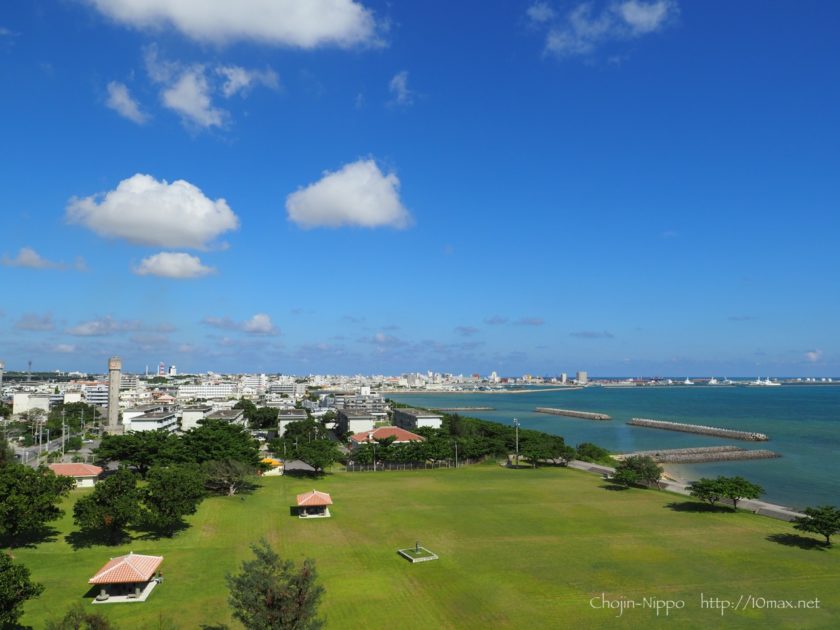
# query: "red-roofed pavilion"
{"points": [[314, 504], [129, 577]]}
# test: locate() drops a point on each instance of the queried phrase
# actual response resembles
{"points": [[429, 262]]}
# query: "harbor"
{"points": [[571, 413], [698, 428]]}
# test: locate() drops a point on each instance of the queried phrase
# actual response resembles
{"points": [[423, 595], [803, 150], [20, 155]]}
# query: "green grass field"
{"points": [[518, 548]]}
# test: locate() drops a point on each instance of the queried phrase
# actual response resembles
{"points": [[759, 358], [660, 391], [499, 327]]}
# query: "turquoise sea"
{"points": [[802, 421]]}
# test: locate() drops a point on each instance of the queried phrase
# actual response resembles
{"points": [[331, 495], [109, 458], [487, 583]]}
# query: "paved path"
{"points": [[758, 507]]}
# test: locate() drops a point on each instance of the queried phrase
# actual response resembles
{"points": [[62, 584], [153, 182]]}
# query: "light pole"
{"points": [[516, 427], [374, 456], [456, 454]]}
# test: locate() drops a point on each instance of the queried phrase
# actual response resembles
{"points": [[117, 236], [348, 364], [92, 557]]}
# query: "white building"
{"points": [[191, 415], [24, 401], [287, 416], [355, 421], [96, 395], [154, 421], [412, 419], [582, 378], [207, 391]]}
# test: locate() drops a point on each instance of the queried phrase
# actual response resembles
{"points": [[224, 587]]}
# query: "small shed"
{"points": [[127, 578], [314, 504], [85, 475], [298, 467]]}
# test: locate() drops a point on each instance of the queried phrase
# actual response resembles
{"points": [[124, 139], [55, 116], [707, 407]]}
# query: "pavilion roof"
{"points": [[383, 433], [131, 568], [314, 498]]}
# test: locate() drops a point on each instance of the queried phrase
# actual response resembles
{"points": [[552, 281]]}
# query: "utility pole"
{"points": [[516, 426], [456, 454]]}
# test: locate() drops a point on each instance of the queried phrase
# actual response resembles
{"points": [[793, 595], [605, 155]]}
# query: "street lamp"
{"points": [[516, 427], [456, 454]]}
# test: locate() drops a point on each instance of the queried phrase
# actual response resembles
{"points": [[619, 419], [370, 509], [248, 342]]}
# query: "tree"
{"points": [[248, 407], [708, 490], [737, 488], [142, 449], [226, 476], [534, 451], [78, 618], [319, 454], [113, 504], [305, 431], [219, 440], [264, 418], [638, 469], [29, 499], [172, 493], [7, 454], [588, 452], [823, 520], [272, 594], [15, 589]]}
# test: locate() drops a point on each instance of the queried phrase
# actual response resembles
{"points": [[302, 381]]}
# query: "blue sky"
{"points": [[629, 187]]}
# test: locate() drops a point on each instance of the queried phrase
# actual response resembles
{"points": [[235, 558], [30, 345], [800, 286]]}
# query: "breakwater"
{"points": [[699, 428], [586, 415], [464, 408], [704, 454]]}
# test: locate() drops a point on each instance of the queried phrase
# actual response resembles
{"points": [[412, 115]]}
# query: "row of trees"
{"points": [[733, 488]]}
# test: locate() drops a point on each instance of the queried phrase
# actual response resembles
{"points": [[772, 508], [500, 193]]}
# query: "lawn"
{"points": [[517, 548]]}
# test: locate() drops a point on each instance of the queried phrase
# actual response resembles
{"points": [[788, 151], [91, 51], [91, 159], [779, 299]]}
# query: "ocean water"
{"points": [[802, 422]]}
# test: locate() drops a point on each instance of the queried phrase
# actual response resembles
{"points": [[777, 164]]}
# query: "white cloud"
{"points": [[358, 194], [121, 101], [242, 80], [31, 321], [103, 326], [173, 265], [65, 348], [540, 12], [29, 258], [813, 356], [189, 96], [259, 324], [296, 23], [398, 87], [583, 30], [146, 211]]}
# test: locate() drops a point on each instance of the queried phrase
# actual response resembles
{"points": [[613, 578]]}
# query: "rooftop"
{"points": [[417, 412], [383, 433], [314, 498], [225, 414], [126, 569], [76, 470], [154, 415]]}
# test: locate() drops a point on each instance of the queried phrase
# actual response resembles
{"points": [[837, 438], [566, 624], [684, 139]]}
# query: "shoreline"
{"points": [[482, 392]]}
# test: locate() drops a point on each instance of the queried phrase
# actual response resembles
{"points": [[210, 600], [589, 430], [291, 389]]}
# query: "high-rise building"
{"points": [[162, 369], [114, 370], [564, 378], [173, 371], [582, 378]]}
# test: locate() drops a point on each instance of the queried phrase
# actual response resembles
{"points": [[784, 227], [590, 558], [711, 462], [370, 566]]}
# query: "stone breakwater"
{"points": [[586, 415], [698, 428], [699, 455]]}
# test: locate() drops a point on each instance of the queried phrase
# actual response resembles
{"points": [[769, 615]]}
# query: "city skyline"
{"points": [[629, 188]]}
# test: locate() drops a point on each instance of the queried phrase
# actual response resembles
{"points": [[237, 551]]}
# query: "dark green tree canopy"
{"points": [[29, 499], [823, 520], [171, 493], [111, 507], [15, 588], [142, 449], [272, 594], [218, 440], [80, 618]]}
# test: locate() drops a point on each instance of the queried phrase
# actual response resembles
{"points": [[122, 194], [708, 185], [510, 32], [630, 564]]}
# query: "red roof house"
{"points": [[401, 436], [84, 474], [127, 578], [314, 504]]}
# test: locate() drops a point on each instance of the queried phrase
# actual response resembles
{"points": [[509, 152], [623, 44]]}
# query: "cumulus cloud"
{"points": [[120, 100], [358, 194], [189, 89], [582, 30], [398, 87], [64, 348], [238, 80], [592, 334], [30, 259], [146, 211], [31, 321], [295, 23], [189, 96], [173, 265], [496, 320], [259, 324], [813, 356]]}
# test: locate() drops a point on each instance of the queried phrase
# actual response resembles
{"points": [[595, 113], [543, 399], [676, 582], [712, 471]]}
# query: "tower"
{"points": [[114, 373], [2, 367]]}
